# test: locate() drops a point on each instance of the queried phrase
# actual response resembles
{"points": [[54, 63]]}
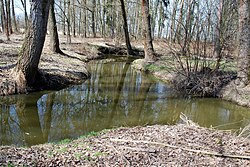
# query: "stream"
{"points": [[114, 96]]}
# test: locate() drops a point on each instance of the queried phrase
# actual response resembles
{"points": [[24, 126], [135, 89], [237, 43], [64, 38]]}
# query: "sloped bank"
{"points": [[55, 72], [237, 94], [222, 84], [179, 145]]}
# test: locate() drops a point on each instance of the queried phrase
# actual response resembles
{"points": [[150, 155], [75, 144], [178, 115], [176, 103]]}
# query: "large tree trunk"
{"points": [[54, 40], [125, 28], [26, 70], [244, 43], [148, 43]]}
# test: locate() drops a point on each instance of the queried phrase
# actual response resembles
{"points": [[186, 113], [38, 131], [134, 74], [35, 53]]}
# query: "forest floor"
{"points": [[179, 145]]}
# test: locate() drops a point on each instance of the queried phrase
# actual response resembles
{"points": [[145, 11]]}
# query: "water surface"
{"points": [[115, 96]]}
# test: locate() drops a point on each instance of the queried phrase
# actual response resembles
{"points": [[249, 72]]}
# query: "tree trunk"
{"points": [[14, 17], [5, 20], [155, 17], [178, 28], [26, 70], [93, 17], [148, 44], [125, 28], [8, 16], [68, 24], [63, 17], [244, 42], [218, 31], [54, 40], [73, 15], [2, 18], [173, 18], [24, 3], [85, 19]]}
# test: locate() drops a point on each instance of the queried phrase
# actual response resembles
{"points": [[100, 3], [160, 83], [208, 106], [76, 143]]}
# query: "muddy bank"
{"points": [[234, 93], [179, 145], [55, 71]]}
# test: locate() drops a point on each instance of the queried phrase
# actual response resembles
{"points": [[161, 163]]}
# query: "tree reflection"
{"points": [[116, 95], [28, 119]]}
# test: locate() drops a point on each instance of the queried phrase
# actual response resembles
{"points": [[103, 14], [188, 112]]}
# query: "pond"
{"points": [[114, 96]]}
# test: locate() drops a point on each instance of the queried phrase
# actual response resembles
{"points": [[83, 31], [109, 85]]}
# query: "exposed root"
{"points": [[203, 83]]}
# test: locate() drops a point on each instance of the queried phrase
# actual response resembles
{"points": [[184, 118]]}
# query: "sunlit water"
{"points": [[115, 96]]}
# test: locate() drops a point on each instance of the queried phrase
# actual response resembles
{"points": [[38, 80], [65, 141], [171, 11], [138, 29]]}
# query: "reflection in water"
{"points": [[115, 96]]}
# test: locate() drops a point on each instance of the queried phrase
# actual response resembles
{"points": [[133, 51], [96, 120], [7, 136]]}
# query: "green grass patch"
{"points": [[65, 141], [93, 133], [156, 68], [98, 154], [78, 155]]}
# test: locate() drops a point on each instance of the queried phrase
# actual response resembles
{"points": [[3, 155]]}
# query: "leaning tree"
{"points": [[26, 71]]}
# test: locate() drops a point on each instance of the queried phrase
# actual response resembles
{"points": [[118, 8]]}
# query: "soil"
{"points": [[179, 145]]}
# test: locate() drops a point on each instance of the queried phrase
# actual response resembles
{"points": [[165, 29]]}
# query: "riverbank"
{"points": [[179, 145], [59, 71], [56, 71], [222, 84]]}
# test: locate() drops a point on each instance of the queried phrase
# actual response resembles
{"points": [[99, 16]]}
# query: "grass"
{"points": [[65, 141], [93, 133], [98, 154], [78, 155], [154, 67]]}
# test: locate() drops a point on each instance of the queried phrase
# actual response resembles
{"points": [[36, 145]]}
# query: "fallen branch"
{"points": [[185, 149]]}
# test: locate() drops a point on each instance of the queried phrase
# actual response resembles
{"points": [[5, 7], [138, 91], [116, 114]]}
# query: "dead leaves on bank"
{"points": [[179, 145]]}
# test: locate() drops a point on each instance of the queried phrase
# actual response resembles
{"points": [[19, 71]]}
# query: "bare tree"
{"points": [[14, 16], [26, 70], [24, 3], [8, 15], [68, 22], [125, 28], [93, 18], [54, 39], [5, 20], [148, 43]]}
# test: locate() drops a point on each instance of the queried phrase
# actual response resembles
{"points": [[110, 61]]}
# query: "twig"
{"points": [[185, 149], [123, 157], [139, 149]]}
